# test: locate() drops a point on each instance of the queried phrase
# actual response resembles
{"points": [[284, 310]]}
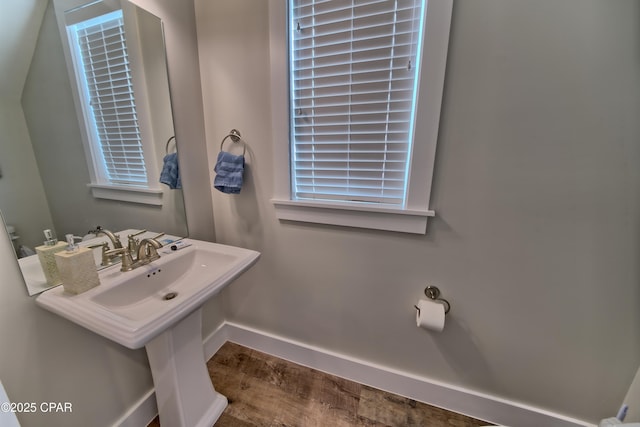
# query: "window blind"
{"points": [[101, 47], [353, 68]]}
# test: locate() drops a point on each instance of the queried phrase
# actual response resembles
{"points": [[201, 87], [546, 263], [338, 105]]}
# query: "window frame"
{"points": [[100, 187], [413, 217]]}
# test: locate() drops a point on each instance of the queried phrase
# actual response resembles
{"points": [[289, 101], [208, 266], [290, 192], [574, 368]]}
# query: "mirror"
{"points": [[44, 169]]}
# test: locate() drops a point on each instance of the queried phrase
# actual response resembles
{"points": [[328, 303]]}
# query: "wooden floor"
{"points": [[267, 391]]}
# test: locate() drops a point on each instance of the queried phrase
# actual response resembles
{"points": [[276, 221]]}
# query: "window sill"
{"points": [[144, 196], [359, 216]]}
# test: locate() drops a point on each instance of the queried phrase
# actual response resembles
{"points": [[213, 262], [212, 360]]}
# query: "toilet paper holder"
{"points": [[433, 293]]}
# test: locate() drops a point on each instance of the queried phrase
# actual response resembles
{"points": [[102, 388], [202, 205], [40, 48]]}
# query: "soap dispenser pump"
{"points": [[46, 257], [77, 267]]}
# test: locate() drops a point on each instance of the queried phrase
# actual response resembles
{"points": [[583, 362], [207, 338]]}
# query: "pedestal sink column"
{"points": [[185, 395]]}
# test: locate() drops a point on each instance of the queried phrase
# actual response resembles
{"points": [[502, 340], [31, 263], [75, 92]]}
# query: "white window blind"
{"points": [[100, 44], [354, 67]]}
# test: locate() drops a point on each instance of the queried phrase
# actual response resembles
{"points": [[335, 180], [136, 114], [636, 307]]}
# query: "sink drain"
{"points": [[170, 296]]}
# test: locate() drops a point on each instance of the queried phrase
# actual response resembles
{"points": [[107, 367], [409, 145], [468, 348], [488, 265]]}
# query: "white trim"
{"points": [[140, 89], [453, 398], [352, 215], [215, 341], [438, 21], [145, 196], [278, 55], [61, 7], [457, 399]]}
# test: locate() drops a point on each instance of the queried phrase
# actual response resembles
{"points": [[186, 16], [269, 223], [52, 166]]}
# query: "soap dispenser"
{"points": [[46, 256], [77, 268]]}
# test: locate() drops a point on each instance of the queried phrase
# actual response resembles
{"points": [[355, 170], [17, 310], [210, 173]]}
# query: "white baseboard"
{"points": [[141, 413], [215, 340], [457, 399]]}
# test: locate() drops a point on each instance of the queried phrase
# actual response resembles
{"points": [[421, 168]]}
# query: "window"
{"points": [[105, 76], [353, 73], [359, 76], [100, 62]]}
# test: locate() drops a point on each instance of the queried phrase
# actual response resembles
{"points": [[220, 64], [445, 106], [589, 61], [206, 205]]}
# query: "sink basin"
{"points": [[158, 306], [180, 274], [132, 307]]}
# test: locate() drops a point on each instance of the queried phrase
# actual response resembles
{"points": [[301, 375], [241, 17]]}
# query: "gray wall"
{"points": [[20, 175], [537, 200]]}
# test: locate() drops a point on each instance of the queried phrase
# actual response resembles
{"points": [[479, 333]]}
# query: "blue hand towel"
{"points": [[229, 169], [170, 174]]}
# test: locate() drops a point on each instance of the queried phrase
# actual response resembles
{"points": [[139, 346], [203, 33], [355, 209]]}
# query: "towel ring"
{"points": [[166, 149], [235, 137]]}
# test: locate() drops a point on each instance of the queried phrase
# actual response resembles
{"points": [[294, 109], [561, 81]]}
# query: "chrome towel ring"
{"points": [[235, 137]]}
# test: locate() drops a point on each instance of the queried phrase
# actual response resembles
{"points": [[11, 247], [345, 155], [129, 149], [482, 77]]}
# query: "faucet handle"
{"points": [[157, 236], [133, 242], [127, 260], [137, 233], [106, 259], [102, 245]]}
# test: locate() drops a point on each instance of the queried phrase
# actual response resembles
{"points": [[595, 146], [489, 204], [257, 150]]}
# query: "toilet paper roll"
{"points": [[430, 315]]}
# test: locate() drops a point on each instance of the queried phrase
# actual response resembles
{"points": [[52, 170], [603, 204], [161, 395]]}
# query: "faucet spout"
{"points": [[148, 249], [115, 240]]}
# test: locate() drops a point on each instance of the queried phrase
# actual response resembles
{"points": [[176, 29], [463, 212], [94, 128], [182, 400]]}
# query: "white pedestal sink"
{"points": [[158, 306]]}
